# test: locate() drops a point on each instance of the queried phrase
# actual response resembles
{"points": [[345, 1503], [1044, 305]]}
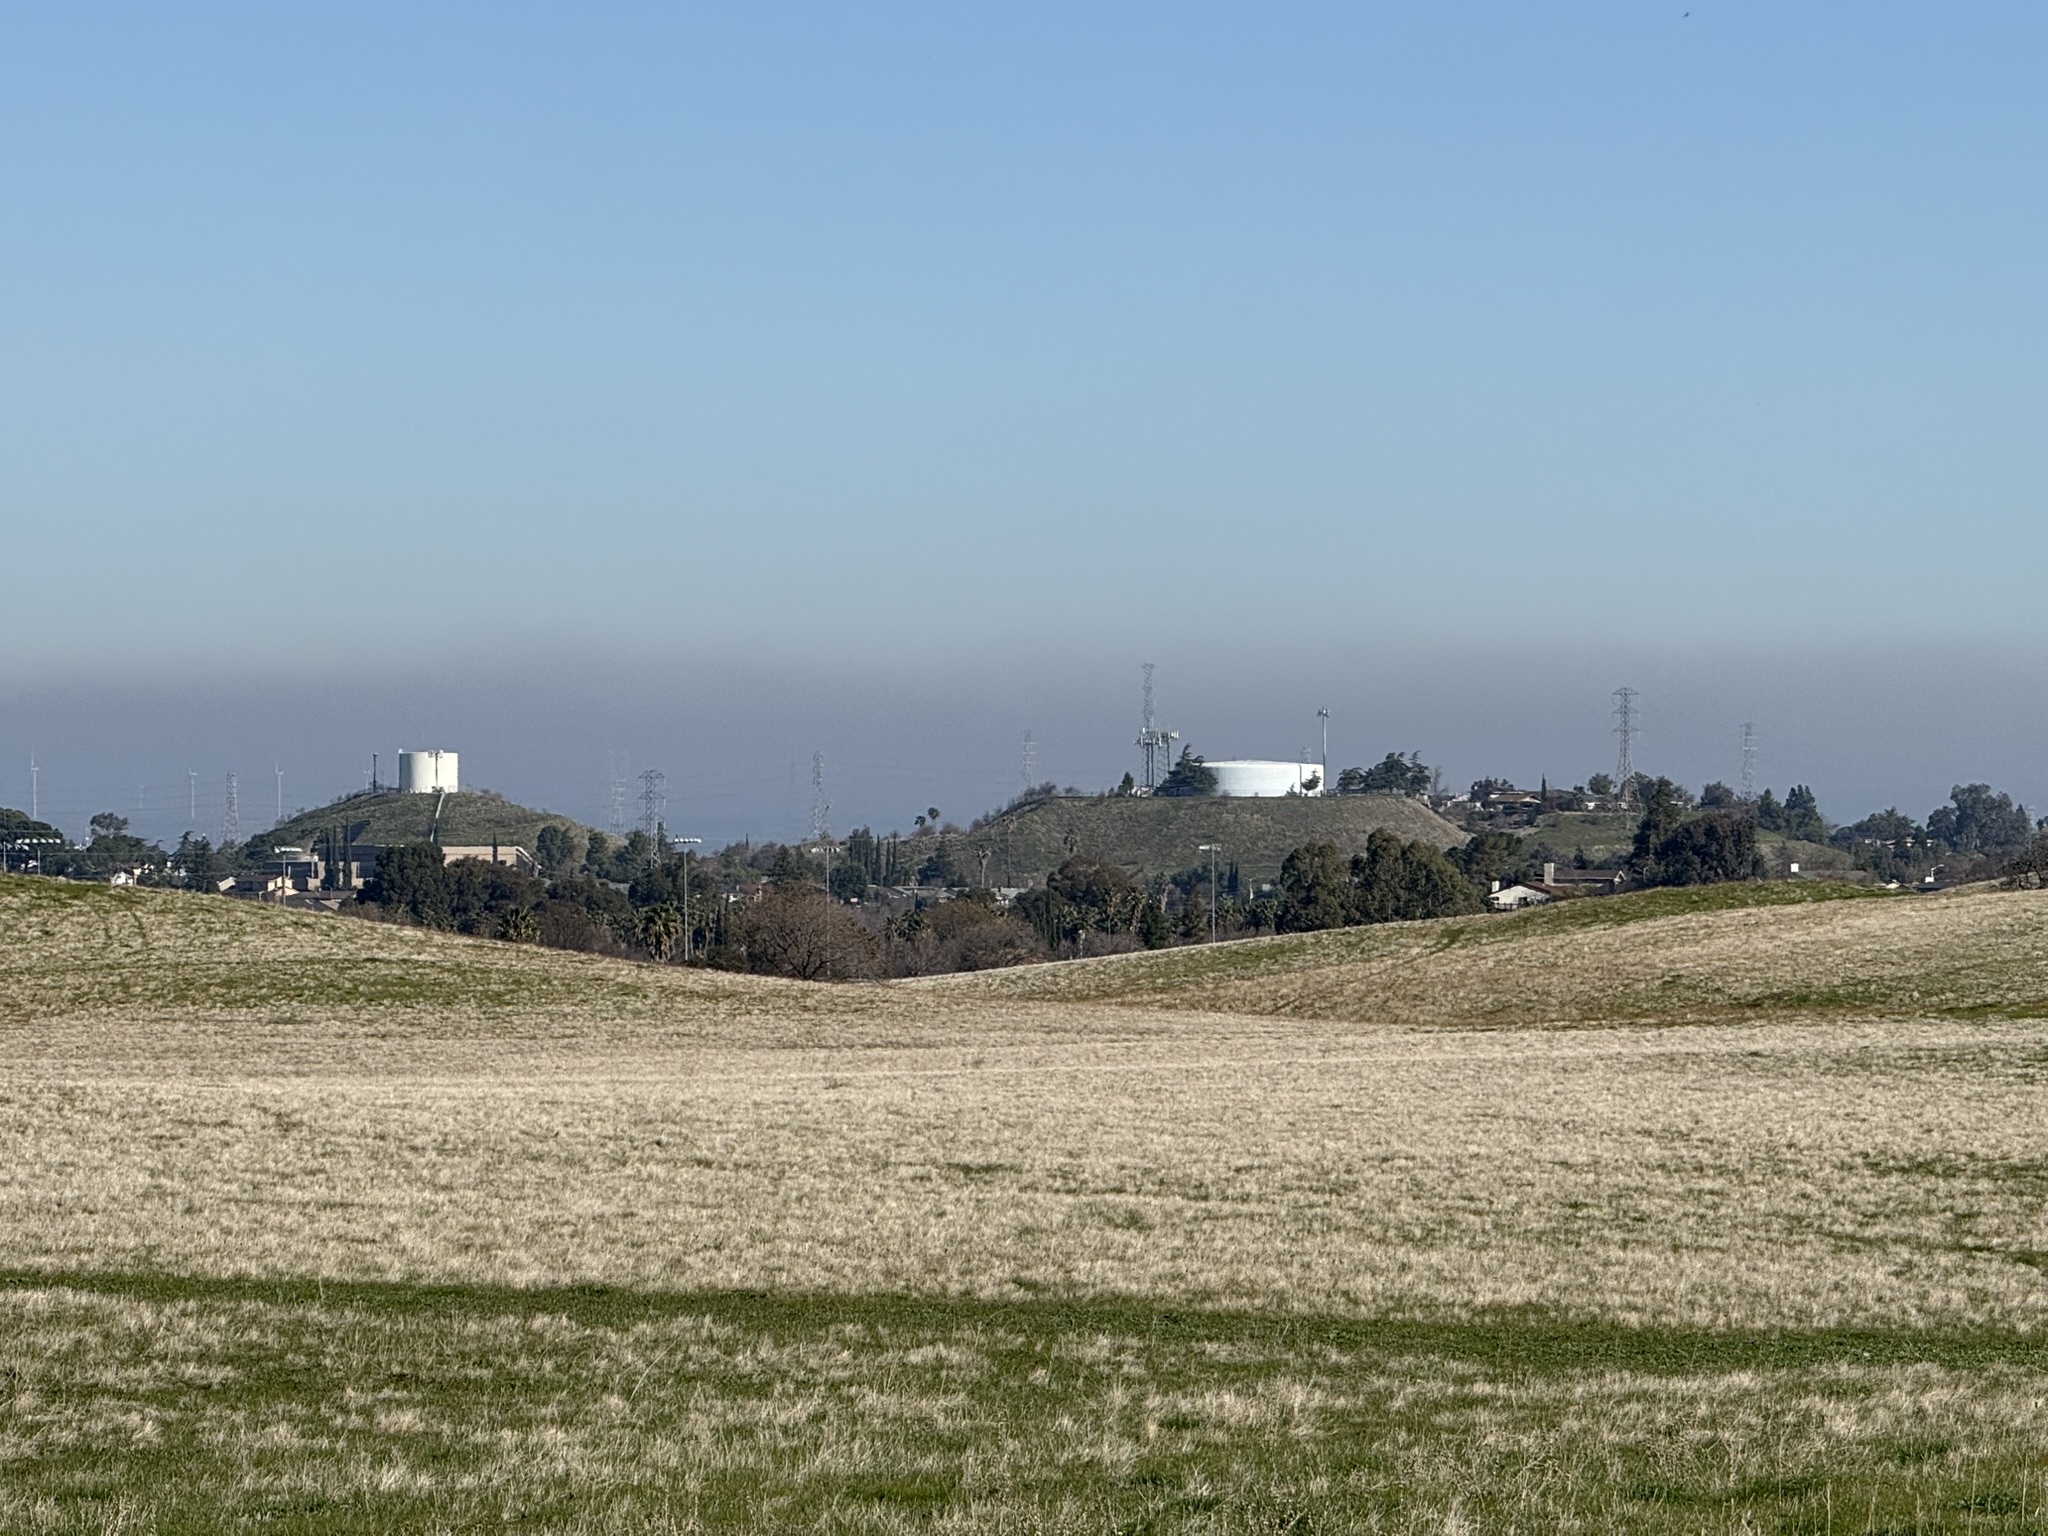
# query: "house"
{"points": [[1563, 880], [1514, 897]]}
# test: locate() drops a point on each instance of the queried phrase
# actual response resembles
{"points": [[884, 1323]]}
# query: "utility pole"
{"points": [[1212, 849], [686, 843]]}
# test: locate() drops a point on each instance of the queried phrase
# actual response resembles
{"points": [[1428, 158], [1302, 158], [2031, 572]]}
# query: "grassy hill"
{"points": [[469, 818], [314, 1224], [1162, 835]]}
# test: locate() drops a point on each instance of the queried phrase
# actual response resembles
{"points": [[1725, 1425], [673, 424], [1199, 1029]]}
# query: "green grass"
{"points": [[180, 1405]]}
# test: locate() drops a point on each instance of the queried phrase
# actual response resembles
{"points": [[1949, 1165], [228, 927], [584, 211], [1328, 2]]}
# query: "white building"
{"points": [[426, 772]]}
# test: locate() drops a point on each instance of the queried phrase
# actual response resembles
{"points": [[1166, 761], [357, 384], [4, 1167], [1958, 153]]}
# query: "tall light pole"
{"points": [[686, 843], [1324, 716], [1212, 849]]}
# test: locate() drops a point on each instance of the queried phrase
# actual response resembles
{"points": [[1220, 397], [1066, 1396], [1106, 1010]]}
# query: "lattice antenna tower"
{"points": [[1030, 774], [231, 817], [821, 808], [653, 800], [1625, 728], [1151, 739], [192, 792], [1748, 760], [615, 761], [35, 790]]}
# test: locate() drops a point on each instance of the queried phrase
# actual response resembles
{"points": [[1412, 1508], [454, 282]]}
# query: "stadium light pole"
{"points": [[686, 843], [1212, 849]]}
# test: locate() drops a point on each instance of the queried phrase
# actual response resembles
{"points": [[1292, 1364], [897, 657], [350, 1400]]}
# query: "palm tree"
{"points": [[660, 927]]}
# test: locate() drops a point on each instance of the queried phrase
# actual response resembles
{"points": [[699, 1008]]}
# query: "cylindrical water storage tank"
{"points": [[424, 772], [1252, 778]]}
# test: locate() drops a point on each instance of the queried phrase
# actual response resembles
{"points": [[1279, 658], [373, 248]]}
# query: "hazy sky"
{"points": [[716, 385]]}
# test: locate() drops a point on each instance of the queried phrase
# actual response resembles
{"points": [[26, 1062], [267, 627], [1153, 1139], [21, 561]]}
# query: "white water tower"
{"points": [[426, 772]]}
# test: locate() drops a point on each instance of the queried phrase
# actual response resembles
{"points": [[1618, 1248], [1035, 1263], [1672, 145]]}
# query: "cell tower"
{"points": [[821, 808], [1030, 761], [653, 800], [1625, 728], [614, 762], [1151, 739], [1748, 760], [231, 817]]}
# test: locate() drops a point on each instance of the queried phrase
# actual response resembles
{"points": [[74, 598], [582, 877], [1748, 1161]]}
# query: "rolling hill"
{"points": [[1162, 835], [468, 818]]}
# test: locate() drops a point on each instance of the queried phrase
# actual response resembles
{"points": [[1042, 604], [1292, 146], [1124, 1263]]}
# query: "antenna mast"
{"points": [[1748, 760], [1152, 739], [1625, 728], [653, 800], [821, 808], [231, 817], [35, 784], [192, 789], [613, 764]]}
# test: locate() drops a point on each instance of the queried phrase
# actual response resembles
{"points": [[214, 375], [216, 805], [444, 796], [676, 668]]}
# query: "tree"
{"points": [[1718, 797], [1601, 785], [411, 881], [107, 824], [1190, 776], [800, 933], [1391, 775], [195, 863], [1770, 814], [1801, 817], [554, 849], [1663, 810], [1315, 889], [1129, 786], [1395, 881], [1101, 895], [1713, 846], [1981, 821], [660, 928], [597, 854], [518, 925], [1488, 857], [1153, 931]]}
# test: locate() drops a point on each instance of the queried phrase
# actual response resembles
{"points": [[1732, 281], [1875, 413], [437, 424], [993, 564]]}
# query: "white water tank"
{"points": [[1247, 778], [426, 772]]}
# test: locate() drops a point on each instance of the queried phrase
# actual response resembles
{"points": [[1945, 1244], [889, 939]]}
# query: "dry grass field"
{"points": [[1710, 1211]]}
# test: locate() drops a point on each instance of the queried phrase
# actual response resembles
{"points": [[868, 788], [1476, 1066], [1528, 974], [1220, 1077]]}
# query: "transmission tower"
{"points": [[653, 800], [192, 789], [1748, 760], [231, 817], [1151, 739], [1625, 728], [821, 808], [1030, 761]]}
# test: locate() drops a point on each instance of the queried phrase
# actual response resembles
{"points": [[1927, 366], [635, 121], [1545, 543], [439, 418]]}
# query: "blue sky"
{"points": [[726, 384]]}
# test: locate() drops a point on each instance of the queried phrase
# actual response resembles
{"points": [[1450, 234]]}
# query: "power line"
{"points": [[1625, 728]]}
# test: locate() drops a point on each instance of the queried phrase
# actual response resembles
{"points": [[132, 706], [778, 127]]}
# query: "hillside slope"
{"points": [[1712, 953], [1158, 835], [469, 818], [1718, 954]]}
